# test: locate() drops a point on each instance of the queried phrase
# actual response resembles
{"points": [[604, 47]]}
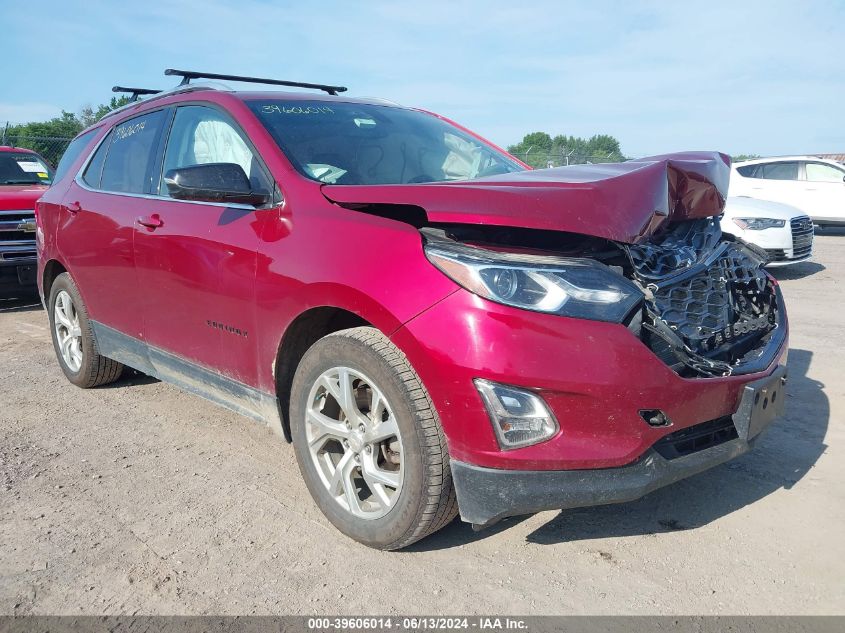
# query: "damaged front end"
{"points": [[572, 238], [709, 308], [698, 299]]}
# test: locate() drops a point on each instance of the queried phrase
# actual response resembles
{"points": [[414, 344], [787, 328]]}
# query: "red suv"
{"points": [[24, 177], [435, 327]]}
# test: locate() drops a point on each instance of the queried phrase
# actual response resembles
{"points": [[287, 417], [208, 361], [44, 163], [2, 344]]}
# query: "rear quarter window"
{"points": [[94, 170], [748, 171], [73, 152]]}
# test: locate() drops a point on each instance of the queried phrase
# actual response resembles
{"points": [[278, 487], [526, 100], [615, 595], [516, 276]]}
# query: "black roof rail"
{"points": [[135, 92], [159, 94], [187, 75]]}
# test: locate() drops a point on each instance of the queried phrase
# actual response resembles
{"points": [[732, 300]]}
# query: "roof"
{"points": [[249, 95], [783, 159]]}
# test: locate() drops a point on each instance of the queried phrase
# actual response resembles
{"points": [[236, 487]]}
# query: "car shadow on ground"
{"points": [[781, 458], [459, 533], [20, 304], [830, 230], [130, 378], [796, 271]]}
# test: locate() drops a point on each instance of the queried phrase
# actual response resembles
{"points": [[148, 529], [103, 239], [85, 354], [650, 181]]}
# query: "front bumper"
{"points": [[18, 274], [777, 262], [486, 495], [595, 377]]}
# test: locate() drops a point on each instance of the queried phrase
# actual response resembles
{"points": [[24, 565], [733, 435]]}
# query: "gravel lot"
{"points": [[138, 498]]}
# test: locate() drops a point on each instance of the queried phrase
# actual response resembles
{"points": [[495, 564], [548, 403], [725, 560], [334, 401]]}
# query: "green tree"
{"points": [[604, 144], [539, 141], [740, 157], [538, 149], [89, 116], [50, 138]]}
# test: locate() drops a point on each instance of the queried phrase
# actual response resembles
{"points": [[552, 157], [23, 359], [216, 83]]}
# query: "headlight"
{"points": [[581, 288], [758, 224]]}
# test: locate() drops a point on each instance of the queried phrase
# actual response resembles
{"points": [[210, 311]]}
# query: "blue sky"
{"points": [[740, 77]]}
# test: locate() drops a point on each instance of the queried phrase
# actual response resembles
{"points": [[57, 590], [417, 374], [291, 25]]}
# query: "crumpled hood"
{"points": [[624, 202], [20, 197]]}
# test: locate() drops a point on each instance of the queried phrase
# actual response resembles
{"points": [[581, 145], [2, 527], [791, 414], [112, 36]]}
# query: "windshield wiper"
{"points": [[24, 182]]}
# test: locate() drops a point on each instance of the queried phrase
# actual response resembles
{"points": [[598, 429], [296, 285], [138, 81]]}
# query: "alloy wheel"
{"points": [[354, 442], [68, 331]]}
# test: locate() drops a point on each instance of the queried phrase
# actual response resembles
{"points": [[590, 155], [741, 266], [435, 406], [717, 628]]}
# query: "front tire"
{"points": [[73, 338], [368, 441]]}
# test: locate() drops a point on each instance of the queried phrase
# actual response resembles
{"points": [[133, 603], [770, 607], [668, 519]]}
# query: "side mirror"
{"points": [[214, 182]]}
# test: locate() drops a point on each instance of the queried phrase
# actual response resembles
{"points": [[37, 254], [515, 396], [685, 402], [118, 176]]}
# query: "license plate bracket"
{"points": [[762, 401], [26, 275]]}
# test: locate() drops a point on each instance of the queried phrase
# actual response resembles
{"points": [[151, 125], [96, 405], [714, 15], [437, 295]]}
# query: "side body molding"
{"points": [[189, 376]]}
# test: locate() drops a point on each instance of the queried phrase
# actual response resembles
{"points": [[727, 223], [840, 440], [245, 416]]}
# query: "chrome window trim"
{"points": [[146, 196]]}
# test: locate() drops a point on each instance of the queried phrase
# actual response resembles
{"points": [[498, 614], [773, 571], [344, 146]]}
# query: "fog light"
{"points": [[519, 417]]}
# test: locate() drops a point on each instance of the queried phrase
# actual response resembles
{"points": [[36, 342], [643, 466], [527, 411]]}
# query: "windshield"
{"points": [[360, 144], [23, 168]]}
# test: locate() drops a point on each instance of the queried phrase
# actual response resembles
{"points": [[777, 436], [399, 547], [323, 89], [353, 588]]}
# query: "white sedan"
{"points": [[786, 233], [814, 185]]}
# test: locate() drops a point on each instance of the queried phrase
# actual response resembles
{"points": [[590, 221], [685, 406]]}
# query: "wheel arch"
{"points": [[305, 330], [52, 269]]}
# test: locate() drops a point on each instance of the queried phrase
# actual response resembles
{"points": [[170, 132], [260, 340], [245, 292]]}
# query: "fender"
{"points": [[273, 327]]}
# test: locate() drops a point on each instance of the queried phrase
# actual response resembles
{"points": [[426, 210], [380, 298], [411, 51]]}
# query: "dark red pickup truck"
{"points": [[24, 177]]}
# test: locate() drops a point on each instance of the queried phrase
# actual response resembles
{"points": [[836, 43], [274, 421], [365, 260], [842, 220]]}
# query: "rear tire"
{"points": [[373, 455], [73, 338]]}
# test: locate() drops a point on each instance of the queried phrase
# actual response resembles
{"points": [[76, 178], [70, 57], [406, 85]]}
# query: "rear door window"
{"points": [[131, 153], [780, 171]]}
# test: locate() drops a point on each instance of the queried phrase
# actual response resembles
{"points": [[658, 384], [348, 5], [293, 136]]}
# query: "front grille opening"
{"points": [[18, 256], [15, 225], [711, 307], [697, 438], [802, 236]]}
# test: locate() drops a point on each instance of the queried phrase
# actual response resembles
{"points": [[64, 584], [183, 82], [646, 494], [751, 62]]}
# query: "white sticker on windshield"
{"points": [[31, 166], [325, 173], [289, 109]]}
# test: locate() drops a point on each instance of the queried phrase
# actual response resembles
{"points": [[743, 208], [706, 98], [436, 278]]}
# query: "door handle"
{"points": [[150, 221], [73, 207]]}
